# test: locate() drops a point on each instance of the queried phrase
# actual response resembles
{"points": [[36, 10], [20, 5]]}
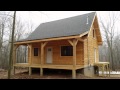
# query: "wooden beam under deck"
{"points": [[67, 67]]}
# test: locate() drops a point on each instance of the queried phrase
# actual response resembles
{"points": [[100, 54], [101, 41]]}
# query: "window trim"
{"points": [[60, 51]]}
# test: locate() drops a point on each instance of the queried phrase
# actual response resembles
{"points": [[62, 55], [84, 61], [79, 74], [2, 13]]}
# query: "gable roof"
{"points": [[60, 28]]}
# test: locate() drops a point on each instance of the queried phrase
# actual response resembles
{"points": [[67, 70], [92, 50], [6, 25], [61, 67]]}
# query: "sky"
{"points": [[38, 17], [45, 16]]}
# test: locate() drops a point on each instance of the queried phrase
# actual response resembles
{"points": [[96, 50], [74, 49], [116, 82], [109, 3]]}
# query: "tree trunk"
{"points": [[11, 48]]}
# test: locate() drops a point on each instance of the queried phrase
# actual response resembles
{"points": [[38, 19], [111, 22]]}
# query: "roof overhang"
{"points": [[52, 39], [49, 39], [97, 28]]}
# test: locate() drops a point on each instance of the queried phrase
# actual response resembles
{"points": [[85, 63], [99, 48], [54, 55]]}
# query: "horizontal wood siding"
{"points": [[64, 60], [85, 53], [57, 58], [92, 44], [80, 53], [36, 59]]}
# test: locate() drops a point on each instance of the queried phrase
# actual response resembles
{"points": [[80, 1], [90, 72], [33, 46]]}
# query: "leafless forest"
{"points": [[6, 23]]}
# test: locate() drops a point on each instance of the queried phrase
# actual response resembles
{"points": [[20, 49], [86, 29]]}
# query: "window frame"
{"points": [[61, 52], [34, 52], [94, 33]]}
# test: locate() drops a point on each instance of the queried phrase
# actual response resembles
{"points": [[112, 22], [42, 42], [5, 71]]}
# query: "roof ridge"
{"points": [[69, 17]]}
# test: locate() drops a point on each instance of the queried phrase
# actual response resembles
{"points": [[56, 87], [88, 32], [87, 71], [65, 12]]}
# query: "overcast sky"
{"points": [[38, 17]]}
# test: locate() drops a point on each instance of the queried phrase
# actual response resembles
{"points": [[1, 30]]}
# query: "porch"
{"points": [[73, 62]]}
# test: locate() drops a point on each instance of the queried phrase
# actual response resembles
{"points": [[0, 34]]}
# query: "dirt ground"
{"points": [[49, 74]]}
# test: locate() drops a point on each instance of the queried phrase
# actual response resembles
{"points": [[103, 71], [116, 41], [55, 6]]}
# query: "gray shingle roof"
{"points": [[65, 27]]}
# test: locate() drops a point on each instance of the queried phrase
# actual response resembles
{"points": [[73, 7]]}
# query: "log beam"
{"points": [[43, 44], [14, 53], [74, 52], [14, 57], [74, 43], [30, 54], [70, 42]]}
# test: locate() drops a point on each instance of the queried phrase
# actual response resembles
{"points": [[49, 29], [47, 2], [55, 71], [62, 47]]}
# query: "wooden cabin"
{"points": [[70, 43]]}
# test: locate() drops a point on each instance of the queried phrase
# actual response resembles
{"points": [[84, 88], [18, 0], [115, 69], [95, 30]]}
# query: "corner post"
{"points": [[30, 58], [14, 57]]}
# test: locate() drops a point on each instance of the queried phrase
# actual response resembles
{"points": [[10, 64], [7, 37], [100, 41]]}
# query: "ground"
{"points": [[49, 74]]}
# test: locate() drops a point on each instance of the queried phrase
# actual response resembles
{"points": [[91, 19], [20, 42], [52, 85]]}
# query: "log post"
{"points": [[74, 58], [14, 57], [74, 43], [30, 71], [43, 44], [30, 58], [30, 54]]}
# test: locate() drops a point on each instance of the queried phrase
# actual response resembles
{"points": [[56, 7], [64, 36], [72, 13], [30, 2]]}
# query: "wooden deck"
{"points": [[21, 65], [103, 65], [51, 66]]}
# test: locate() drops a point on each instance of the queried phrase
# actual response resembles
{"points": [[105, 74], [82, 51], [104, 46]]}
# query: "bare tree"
{"points": [[109, 34], [11, 49], [22, 30], [4, 17]]}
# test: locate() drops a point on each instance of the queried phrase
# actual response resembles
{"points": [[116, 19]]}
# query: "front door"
{"points": [[49, 55]]}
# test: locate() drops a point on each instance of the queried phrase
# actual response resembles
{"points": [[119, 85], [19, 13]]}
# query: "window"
{"points": [[35, 51], [93, 33], [95, 54], [66, 51]]}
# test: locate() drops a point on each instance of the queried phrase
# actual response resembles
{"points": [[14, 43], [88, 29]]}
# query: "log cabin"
{"points": [[71, 44]]}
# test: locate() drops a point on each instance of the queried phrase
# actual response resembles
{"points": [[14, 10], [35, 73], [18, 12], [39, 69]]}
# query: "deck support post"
{"points": [[103, 65], [43, 44], [108, 69], [13, 70], [30, 71], [41, 71], [73, 74], [103, 70]]}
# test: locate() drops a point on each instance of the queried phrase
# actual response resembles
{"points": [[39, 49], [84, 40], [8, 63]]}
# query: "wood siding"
{"points": [[92, 44], [81, 50], [56, 53]]}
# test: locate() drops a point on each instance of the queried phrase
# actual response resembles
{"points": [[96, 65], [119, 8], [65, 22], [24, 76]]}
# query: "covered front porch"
{"points": [[73, 62]]}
